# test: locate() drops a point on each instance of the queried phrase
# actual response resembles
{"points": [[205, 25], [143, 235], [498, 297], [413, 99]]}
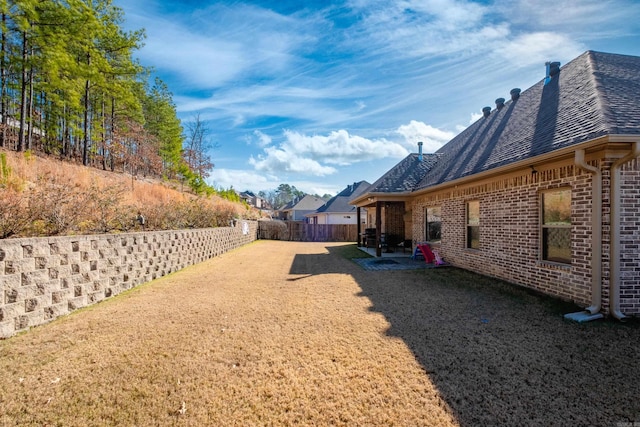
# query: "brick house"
{"points": [[542, 191]]}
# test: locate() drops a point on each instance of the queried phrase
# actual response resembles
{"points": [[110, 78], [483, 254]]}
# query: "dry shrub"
{"points": [[104, 208], [14, 217], [226, 211], [198, 214], [46, 196], [146, 193], [56, 207], [161, 216], [274, 230]]}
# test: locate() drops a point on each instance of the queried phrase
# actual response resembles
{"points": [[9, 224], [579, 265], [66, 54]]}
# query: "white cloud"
{"points": [[285, 160], [416, 28], [312, 154], [431, 137], [238, 120], [339, 147], [474, 118], [242, 180], [583, 16], [264, 140], [538, 48], [199, 61], [218, 44]]}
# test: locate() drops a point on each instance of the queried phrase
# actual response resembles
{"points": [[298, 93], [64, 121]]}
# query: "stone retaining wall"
{"points": [[43, 278]]}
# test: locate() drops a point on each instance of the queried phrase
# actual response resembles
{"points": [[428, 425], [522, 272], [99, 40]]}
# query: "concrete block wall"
{"points": [[43, 278]]}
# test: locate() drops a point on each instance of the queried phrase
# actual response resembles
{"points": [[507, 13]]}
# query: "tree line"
{"points": [[286, 193], [70, 87]]}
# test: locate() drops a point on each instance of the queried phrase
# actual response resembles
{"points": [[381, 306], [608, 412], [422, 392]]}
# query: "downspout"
{"points": [[596, 232], [614, 281], [593, 311]]}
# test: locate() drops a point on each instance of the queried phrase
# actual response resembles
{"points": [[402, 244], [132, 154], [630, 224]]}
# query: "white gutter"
{"points": [[614, 281], [593, 311]]}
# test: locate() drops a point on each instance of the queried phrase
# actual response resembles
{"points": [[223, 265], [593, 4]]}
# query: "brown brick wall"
{"points": [[43, 278], [510, 235], [630, 238], [394, 221]]}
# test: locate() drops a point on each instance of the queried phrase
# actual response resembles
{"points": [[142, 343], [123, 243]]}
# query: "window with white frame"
{"points": [[433, 224], [473, 224], [556, 225]]}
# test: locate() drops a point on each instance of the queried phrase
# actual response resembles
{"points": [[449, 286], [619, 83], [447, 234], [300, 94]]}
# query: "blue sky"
{"points": [[320, 94]]}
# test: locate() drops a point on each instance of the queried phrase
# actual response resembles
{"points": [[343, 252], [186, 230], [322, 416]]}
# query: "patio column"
{"points": [[378, 227], [358, 230]]}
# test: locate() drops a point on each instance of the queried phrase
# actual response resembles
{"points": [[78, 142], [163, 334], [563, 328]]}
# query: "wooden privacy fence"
{"points": [[303, 232]]}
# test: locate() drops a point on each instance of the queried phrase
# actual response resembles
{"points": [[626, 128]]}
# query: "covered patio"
{"points": [[385, 231]]}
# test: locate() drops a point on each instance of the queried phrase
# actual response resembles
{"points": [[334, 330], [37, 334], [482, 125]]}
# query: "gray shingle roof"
{"points": [[340, 202], [404, 176], [308, 203], [594, 95]]}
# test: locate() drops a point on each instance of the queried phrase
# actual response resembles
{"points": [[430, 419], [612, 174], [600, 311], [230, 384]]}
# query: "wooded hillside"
{"points": [[43, 196], [70, 87]]}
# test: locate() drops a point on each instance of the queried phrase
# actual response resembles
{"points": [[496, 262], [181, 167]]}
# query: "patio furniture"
{"points": [[405, 245]]}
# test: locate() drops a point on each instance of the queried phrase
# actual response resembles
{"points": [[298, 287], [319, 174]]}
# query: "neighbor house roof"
{"points": [[340, 202], [307, 203], [595, 95]]}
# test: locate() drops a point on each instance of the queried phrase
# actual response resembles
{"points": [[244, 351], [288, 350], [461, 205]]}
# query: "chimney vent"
{"points": [[499, 103], [420, 150], [515, 93], [486, 111]]}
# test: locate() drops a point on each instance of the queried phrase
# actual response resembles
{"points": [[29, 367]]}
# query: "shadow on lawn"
{"points": [[500, 354]]}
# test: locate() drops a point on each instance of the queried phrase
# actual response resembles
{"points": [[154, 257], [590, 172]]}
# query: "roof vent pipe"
{"points": [[499, 103], [515, 93], [420, 150], [553, 68], [547, 77], [486, 111]]}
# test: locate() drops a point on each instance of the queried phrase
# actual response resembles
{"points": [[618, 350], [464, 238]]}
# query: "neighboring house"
{"points": [[543, 191], [337, 210], [252, 200], [298, 208]]}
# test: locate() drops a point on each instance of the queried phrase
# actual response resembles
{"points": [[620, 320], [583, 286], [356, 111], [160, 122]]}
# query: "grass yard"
{"points": [[289, 333]]}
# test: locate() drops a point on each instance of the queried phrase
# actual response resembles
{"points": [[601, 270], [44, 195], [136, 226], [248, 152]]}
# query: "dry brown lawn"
{"points": [[284, 333]]}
